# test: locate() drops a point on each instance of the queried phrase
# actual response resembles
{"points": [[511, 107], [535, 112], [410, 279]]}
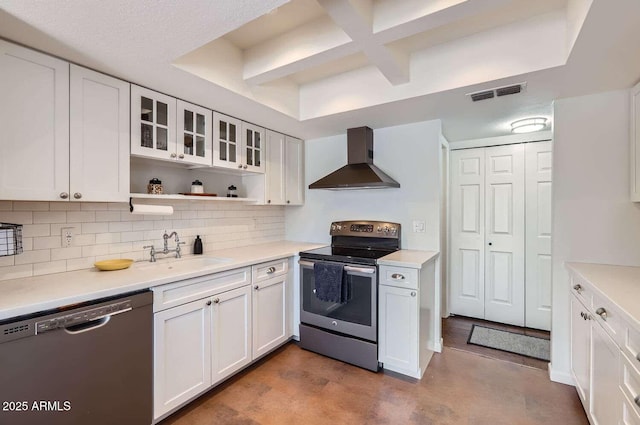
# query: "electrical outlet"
{"points": [[67, 236], [419, 226]]}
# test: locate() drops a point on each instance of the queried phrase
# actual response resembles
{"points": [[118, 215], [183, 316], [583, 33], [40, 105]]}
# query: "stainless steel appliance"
{"points": [[347, 331], [83, 364]]}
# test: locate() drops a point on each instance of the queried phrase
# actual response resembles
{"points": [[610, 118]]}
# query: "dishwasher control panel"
{"points": [[83, 316]]}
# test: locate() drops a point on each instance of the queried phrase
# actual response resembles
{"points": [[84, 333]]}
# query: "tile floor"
{"points": [[293, 386]]}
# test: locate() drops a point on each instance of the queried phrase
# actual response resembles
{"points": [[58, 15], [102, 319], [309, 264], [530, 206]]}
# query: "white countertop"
{"points": [[38, 293], [620, 284], [408, 258]]}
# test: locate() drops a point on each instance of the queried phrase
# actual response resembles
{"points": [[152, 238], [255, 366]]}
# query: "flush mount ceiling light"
{"points": [[528, 125]]}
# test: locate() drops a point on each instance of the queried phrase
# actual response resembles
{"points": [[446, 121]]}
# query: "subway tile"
{"points": [[117, 248], [49, 217], [80, 263], [95, 250], [27, 244], [29, 257], [120, 226], [7, 260], [131, 236], [50, 267], [107, 216], [6, 205], [81, 216], [34, 230], [16, 217], [47, 242], [94, 206], [141, 225], [164, 225], [83, 240], [66, 253], [64, 206], [118, 206], [107, 238], [95, 228], [16, 272], [30, 206]]}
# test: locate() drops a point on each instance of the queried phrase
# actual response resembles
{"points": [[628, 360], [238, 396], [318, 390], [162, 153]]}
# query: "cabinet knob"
{"points": [[397, 276], [173, 155], [288, 202], [602, 313], [413, 293], [638, 357], [216, 301], [334, 323], [256, 287], [77, 195], [490, 243], [209, 302], [577, 287], [239, 165], [181, 156], [64, 195], [245, 167], [271, 270], [269, 201], [636, 400]]}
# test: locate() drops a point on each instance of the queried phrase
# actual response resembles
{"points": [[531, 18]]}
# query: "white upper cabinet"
{"points": [[153, 124], [294, 171], [226, 142], [253, 142], [635, 143], [34, 118], [285, 170], [99, 140], [194, 134]]}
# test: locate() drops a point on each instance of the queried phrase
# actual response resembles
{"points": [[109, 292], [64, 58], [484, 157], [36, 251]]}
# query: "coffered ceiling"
{"points": [[316, 67]]}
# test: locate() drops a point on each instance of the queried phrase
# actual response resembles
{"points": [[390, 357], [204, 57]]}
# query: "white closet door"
{"points": [[504, 224], [467, 233], [538, 233]]}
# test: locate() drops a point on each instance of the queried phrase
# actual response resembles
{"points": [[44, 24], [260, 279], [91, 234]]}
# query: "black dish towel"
{"points": [[330, 282]]}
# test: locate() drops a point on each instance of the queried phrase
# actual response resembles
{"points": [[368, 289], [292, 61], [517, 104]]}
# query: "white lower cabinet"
{"points": [[605, 393], [182, 355], [580, 349], [272, 304], [398, 342], [226, 321], [231, 332]]}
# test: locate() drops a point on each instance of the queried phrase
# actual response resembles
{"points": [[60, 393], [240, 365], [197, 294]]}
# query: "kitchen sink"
{"points": [[184, 263]]}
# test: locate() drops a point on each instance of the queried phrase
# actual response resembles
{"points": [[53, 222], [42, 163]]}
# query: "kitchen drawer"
{"points": [[184, 291], [401, 277], [271, 269], [582, 290], [612, 320], [630, 381], [630, 414]]}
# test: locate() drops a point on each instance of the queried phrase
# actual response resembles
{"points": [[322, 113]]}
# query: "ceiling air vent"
{"points": [[497, 91], [481, 95]]}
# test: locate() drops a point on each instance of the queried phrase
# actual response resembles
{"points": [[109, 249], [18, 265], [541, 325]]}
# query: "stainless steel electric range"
{"points": [[346, 330]]}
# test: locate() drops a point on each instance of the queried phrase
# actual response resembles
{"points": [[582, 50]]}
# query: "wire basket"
{"points": [[10, 239]]}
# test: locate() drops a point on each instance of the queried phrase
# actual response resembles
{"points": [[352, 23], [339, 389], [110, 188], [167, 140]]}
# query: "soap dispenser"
{"points": [[197, 245]]}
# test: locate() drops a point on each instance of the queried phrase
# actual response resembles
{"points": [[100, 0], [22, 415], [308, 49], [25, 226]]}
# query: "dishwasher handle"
{"points": [[87, 326]]}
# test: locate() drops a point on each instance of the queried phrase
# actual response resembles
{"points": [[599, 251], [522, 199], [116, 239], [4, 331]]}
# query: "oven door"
{"points": [[357, 317]]}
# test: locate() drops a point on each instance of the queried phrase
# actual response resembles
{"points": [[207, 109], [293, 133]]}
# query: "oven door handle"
{"points": [[367, 270]]}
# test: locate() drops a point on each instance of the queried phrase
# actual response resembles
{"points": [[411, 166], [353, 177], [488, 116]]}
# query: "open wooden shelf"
{"points": [[191, 198]]}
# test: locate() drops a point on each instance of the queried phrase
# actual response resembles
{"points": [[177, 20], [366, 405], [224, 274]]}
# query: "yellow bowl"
{"points": [[117, 264]]}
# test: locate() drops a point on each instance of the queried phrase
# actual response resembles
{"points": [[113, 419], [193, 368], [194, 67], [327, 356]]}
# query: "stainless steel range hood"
{"points": [[359, 173]]}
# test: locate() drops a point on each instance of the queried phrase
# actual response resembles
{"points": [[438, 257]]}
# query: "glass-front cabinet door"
{"points": [[227, 142], [194, 134], [253, 138], [153, 124]]}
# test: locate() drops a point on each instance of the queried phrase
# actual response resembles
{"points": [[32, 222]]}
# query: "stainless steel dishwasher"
{"points": [[88, 363]]}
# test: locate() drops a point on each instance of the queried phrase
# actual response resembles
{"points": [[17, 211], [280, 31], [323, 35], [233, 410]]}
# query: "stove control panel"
{"points": [[377, 229]]}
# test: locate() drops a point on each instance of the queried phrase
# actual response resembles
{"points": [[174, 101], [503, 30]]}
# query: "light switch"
{"points": [[419, 226]]}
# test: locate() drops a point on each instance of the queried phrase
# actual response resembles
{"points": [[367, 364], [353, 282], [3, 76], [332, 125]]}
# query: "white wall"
{"points": [[408, 153], [593, 219]]}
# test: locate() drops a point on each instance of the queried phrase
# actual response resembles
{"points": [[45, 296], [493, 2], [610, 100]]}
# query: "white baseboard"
{"points": [[562, 377]]}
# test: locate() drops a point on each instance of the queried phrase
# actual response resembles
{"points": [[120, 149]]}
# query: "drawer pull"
{"points": [[397, 276], [578, 288], [271, 270], [637, 400], [602, 313]]}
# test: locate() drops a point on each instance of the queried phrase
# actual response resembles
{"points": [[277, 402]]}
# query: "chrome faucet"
{"points": [[166, 250]]}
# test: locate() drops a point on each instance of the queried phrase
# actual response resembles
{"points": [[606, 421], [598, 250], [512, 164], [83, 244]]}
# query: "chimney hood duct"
{"points": [[359, 173]]}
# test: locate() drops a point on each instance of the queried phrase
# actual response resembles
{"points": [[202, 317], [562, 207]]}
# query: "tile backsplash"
{"points": [[104, 231]]}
